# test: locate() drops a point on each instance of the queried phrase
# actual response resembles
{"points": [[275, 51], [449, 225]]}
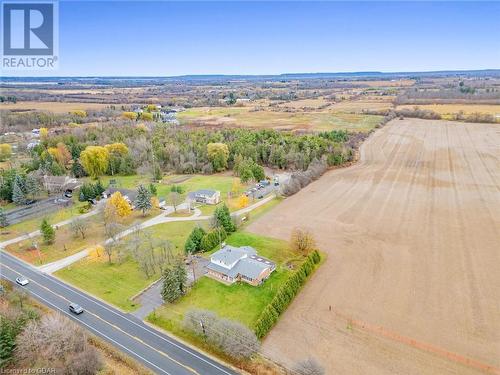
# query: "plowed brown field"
{"points": [[412, 234]]}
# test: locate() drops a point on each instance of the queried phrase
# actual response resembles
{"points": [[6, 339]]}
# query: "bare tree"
{"points": [[109, 248], [175, 199], [79, 227], [233, 338], [56, 342], [302, 240]]}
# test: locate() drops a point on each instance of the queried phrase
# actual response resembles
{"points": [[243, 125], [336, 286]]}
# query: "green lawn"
{"points": [[176, 232], [114, 283], [240, 301], [64, 245], [188, 183]]}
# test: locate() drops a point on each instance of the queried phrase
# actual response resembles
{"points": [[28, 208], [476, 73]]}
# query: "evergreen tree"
{"points": [[193, 242], [153, 190], [7, 184], [157, 174], [7, 341], [170, 291], [181, 276], [223, 219], [143, 200], [32, 186], [19, 191], [98, 188], [48, 233], [3, 219]]}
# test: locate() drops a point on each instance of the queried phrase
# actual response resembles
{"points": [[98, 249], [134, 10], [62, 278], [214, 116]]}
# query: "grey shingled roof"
{"points": [[204, 192], [230, 254], [250, 266]]}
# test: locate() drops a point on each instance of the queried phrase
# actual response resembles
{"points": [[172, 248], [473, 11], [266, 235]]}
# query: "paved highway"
{"points": [[157, 351]]}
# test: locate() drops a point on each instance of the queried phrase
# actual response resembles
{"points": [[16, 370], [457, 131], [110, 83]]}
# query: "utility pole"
{"points": [[203, 328]]}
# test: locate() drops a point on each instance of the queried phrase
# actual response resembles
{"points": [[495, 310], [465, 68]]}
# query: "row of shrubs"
{"points": [[285, 295], [299, 180], [431, 115]]}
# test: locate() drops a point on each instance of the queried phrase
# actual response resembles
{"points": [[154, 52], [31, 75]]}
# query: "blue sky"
{"points": [[175, 38]]}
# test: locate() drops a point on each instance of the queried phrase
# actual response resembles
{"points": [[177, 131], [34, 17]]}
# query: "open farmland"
{"points": [[267, 118], [412, 278], [55, 107]]}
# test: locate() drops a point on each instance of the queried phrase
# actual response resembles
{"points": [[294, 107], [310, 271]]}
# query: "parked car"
{"points": [[23, 281], [68, 194], [29, 201], [75, 308]]}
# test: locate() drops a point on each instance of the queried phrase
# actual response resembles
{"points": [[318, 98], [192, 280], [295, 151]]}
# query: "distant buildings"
{"points": [[231, 264]]}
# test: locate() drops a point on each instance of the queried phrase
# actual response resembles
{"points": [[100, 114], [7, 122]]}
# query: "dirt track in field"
{"points": [[412, 234]]}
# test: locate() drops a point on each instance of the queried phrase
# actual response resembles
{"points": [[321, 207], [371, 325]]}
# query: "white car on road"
{"points": [[23, 281]]}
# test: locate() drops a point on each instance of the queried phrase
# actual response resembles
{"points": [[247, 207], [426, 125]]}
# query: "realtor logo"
{"points": [[29, 35]]}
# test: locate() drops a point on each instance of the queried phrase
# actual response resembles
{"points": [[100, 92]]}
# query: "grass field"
{"points": [[56, 107], [223, 183], [448, 109], [244, 116], [114, 283], [31, 225], [65, 243], [357, 106], [240, 301], [118, 282], [110, 282]]}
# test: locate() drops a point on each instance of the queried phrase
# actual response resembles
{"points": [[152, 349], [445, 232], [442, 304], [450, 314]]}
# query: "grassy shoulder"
{"points": [[115, 283]]}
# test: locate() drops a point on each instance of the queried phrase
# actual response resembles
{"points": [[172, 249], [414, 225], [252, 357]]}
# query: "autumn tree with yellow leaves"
{"points": [[94, 160], [60, 154], [116, 152], [5, 151], [118, 205], [44, 133]]}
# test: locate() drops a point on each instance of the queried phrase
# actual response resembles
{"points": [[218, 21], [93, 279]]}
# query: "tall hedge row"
{"points": [[287, 292]]}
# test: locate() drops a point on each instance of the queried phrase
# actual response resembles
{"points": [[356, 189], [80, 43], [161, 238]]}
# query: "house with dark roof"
{"points": [[56, 184], [204, 196], [231, 264]]}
